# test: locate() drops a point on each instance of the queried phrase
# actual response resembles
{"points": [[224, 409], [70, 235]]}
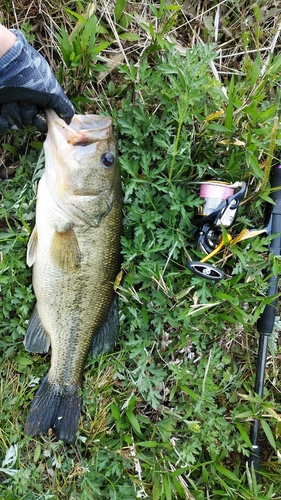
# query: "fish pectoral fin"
{"points": [[36, 338], [106, 336], [32, 247], [65, 252]]}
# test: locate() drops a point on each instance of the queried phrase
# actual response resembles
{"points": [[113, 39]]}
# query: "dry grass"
{"points": [[233, 27]]}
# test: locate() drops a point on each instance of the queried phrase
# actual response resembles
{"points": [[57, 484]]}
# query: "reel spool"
{"points": [[218, 211], [214, 192]]}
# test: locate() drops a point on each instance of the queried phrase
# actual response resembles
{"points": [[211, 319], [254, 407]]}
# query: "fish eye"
{"points": [[107, 159]]}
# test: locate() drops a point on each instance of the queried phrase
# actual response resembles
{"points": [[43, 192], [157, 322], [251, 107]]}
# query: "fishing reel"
{"points": [[215, 217]]}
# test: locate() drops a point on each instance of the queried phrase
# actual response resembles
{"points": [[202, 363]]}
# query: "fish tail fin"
{"points": [[55, 407]]}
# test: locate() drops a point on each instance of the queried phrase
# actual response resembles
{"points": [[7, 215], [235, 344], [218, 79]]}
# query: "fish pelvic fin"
{"points": [[65, 252], [55, 407], [32, 248], [106, 337]]}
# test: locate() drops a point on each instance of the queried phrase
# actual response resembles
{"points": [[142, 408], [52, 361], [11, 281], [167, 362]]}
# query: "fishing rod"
{"points": [[216, 215], [265, 323]]}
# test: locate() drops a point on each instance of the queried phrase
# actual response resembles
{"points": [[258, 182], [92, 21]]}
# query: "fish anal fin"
{"points": [[55, 407], [106, 337], [36, 338], [32, 247], [65, 252]]}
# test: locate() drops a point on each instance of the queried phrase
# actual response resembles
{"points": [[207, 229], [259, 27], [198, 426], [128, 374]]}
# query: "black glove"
{"points": [[27, 86]]}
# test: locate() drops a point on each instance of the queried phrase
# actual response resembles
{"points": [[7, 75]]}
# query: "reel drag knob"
{"points": [[205, 270]]}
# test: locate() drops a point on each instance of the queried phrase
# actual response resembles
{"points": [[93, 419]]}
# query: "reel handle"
{"points": [[205, 270]]}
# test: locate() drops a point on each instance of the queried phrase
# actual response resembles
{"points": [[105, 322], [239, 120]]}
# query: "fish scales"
{"points": [[87, 292], [75, 253]]}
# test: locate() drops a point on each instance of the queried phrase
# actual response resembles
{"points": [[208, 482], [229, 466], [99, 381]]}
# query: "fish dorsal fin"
{"points": [[32, 247], [65, 252]]}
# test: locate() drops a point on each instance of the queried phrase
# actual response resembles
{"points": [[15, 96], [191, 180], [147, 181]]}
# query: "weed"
{"points": [[168, 415]]}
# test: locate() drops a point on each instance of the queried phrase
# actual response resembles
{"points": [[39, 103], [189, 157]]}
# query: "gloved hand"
{"points": [[27, 86]]}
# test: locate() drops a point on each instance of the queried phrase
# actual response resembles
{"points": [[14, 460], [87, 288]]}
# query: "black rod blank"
{"points": [[265, 323]]}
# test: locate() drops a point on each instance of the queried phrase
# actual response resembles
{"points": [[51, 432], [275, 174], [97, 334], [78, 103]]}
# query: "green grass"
{"points": [[167, 416]]}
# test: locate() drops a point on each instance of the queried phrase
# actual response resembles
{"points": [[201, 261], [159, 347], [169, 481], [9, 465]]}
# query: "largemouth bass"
{"points": [[75, 252]]}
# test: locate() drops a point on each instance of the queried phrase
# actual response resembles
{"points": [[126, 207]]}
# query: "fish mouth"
{"points": [[74, 153], [82, 131]]}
